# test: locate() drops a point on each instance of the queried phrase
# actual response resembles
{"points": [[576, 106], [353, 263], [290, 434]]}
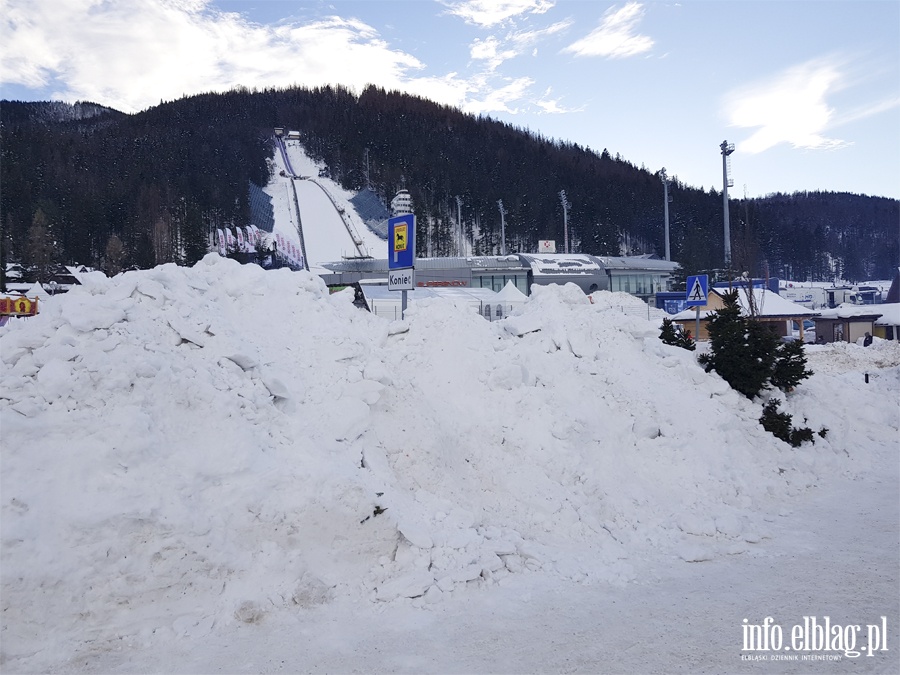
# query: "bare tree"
{"points": [[115, 256], [42, 254]]}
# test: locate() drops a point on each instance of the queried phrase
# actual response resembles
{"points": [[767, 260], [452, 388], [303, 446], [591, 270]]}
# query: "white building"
{"points": [[401, 204]]}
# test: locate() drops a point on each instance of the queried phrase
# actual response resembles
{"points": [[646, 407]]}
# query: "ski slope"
{"points": [[331, 228]]}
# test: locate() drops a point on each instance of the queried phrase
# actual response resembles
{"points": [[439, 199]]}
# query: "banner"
{"points": [[20, 306]]}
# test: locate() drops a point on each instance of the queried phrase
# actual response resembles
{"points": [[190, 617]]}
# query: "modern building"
{"points": [[642, 275]]}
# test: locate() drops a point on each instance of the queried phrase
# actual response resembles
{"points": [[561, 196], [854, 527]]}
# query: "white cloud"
{"points": [[129, 54], [491, 51], [488, 13], [616, 35], [549, 105], [791, 108], [500, 99]]}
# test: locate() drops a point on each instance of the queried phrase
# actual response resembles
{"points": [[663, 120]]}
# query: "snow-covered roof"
{"points": [[629, 263], [846, 311], [890, 314], [560, 263], [768, 305]]}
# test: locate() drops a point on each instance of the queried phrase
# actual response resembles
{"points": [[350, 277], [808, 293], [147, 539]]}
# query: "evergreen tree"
{"points": [[742, 349], [790, 366], [748, 354], [670, 336]]}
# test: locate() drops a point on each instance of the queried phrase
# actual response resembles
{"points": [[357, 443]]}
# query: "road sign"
{"points": [[402, 280], [402, 241], [697, 290]]}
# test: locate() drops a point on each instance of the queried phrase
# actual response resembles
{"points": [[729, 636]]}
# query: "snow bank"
{"points": [[184, 448]]}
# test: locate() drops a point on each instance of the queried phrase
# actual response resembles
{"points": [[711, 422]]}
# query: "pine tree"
{"points": [[742, 350], [790, 366], [670, 336]]}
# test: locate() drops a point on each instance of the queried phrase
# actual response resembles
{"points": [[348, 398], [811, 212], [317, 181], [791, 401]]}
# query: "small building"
{"points": [[768, 307], [847, 323], [887, 326]]}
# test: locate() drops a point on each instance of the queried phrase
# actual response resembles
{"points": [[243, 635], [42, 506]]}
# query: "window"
{"points": [[499, 312]]}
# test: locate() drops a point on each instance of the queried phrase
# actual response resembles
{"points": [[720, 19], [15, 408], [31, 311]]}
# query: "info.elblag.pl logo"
{"points": [[813, 640]]}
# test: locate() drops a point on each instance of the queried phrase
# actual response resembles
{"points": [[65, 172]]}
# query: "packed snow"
{"points": [[193, 453]]}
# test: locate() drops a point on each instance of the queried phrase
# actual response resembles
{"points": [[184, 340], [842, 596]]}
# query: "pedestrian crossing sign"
{"points": [[697, 290]]}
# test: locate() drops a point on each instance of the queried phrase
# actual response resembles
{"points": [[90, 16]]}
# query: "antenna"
{"points": [[727, 148]]}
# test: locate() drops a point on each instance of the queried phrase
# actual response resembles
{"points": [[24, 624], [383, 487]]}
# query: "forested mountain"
{"points": [[98, 187]]}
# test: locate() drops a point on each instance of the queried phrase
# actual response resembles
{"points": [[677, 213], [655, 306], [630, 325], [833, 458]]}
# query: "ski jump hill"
{"points": [[314, 212]]}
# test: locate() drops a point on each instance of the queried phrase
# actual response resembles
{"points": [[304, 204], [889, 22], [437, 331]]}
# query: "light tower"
{"points": [[459, 239], [665, 182], [727, 149], [565, 205], [502, 227]]}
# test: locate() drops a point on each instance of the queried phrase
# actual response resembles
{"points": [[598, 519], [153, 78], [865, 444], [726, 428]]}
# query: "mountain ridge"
{"points": [[162, 179]]}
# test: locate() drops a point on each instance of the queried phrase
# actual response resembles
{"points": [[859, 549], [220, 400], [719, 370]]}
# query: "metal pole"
{"points": [[727, 149], [665, 181], [402, 305], [459, 239], [696, 325], [502, 227]]}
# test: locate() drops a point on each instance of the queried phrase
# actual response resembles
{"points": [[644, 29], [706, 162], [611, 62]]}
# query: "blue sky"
{"points": [[808, 91]]}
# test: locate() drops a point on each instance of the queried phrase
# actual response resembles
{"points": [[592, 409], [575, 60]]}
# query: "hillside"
{"points": [[161, 180]]}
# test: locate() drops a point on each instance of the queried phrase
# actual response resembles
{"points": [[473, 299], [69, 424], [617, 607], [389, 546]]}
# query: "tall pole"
{"points": [[565, 205], [727, 149], [502, 227], [459, 238], [665, 182]]}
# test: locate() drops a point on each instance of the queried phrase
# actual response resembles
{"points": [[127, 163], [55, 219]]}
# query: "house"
{"points": [[887, 326], [847, 323], [767, 306]]}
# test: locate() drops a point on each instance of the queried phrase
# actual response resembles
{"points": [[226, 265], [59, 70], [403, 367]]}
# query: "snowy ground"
{"points": [[221, 469]]}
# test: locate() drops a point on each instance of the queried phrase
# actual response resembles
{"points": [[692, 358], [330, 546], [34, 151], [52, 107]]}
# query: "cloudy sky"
{"points": [[808, 91]]}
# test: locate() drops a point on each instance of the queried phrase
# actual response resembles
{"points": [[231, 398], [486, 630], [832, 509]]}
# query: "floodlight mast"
{"points": [[502, 227], [727, 182], [459, 238], [565, 205], [665, 182]]}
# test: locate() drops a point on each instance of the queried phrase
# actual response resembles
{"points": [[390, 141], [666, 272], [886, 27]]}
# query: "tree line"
{"points": [[111, 190]]}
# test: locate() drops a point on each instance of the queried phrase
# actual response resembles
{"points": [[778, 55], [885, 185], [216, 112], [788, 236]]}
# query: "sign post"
{"points": [[402, 256], [696, 296]]}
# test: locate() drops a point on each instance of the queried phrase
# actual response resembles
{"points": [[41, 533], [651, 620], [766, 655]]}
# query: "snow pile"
{"points": [[190, 447]]}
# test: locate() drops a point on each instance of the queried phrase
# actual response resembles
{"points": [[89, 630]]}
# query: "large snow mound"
{"points": [[187, 447]]}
